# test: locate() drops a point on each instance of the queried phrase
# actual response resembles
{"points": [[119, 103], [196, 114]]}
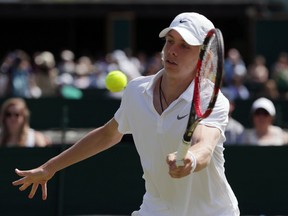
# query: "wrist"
{"points": [[49, 167], [193, 160]]}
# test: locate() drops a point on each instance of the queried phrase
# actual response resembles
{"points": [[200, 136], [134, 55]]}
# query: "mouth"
{"points": [[169, 61]]}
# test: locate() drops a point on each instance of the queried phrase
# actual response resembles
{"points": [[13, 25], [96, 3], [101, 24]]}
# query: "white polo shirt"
{"points": [[202, 193]]}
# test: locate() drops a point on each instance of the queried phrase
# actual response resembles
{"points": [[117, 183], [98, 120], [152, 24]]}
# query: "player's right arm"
{"points": [[94, 142], [205, 139]]}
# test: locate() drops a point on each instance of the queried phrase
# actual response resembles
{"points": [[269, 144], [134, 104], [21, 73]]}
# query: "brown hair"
{"points": [[22, 135]]}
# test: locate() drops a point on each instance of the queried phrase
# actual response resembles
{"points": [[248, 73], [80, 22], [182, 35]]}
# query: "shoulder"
{"points": [[144, 82], [275, 129], [139, 82], [222, 99], [219, 116], [138, 86], [221, 106], [278, 131]]}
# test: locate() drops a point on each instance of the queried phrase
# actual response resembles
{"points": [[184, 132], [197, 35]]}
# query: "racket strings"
{"points": [[209, 63], [207, 75]]}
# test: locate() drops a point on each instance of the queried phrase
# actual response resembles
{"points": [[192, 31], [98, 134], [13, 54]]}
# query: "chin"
{"points": [[170, 67]]}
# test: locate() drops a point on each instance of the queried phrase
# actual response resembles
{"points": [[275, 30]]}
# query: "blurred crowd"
{"points": [[44, 74], [263, 85], [250, 81]]}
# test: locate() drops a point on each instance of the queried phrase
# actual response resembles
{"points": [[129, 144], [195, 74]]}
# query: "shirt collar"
{"points": [[150, 87], [186, 95]]}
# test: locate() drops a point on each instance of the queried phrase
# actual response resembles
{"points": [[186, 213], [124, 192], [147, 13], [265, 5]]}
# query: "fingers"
{"points": [[20, 173], [171, 159], [24, 186], [28, 179], [178, 171], [44, 191], [33, 191], [20, 181]]}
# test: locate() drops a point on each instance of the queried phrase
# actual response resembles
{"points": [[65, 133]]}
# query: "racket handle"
{"points": [[181, 152]]}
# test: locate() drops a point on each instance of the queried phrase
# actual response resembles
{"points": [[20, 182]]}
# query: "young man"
{"points": [[149, 109]]}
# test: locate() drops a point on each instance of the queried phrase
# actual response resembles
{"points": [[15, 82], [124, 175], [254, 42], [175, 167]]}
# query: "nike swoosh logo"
{"points": [[181, 117], [183, 21]]}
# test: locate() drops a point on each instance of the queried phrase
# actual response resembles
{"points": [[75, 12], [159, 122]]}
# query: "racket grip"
{"points": [[181, 152]]}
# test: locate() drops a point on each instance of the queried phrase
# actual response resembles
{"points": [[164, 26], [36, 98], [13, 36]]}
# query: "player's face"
{"points": [[178, 56]]}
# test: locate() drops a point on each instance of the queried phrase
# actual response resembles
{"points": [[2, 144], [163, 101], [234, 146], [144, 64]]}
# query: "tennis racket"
{"points": [[208, 79]]}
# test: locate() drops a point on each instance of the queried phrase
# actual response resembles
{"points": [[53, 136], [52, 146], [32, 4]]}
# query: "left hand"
{"points": [[180, 171]]}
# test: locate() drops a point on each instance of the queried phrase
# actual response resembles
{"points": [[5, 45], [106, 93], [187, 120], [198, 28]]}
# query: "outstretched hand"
{"points": [[34, 177]]}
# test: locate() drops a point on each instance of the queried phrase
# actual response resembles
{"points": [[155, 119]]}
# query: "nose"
{"points": [[173, 50]]}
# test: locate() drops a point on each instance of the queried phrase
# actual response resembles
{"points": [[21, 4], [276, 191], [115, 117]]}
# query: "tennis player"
{"points": [[154, 109]]}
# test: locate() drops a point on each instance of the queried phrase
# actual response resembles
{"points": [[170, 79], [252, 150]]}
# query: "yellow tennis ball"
{"points": [[116, 81]]}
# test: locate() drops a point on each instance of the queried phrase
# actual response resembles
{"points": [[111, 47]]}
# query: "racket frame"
{"points": [[195, 115]]}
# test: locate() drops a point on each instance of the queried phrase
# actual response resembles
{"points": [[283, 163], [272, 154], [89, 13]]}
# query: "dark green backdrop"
{"points": [[111, 182]]}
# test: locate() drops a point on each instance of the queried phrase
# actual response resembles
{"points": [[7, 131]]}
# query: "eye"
{"points": [[185, 46], [169, 40]]}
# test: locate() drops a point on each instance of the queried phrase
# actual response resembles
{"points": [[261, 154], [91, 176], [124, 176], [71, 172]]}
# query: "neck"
{"points": [[162, 96], [173, 88]]}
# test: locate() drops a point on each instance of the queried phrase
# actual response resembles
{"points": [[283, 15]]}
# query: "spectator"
{"points": [[257, 71], [66, 63], [135, 61], [237, 88], [234, 129], [19, 70], [154, 64], [234, 76], [83, 72], [99, 75], [143, 60], [270, 90], [264, 133], [258, 75], [233, 64], [280, 74], [4, 82], [120, 61], [66, 69], [46, 73], [15, 128]]}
